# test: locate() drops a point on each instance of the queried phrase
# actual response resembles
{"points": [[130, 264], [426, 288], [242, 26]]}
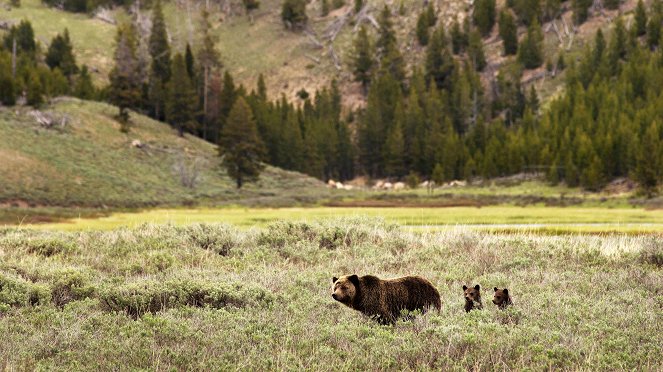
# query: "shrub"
{"points": [[220, 239], [48, 247], [70, 285], [17, 292]]}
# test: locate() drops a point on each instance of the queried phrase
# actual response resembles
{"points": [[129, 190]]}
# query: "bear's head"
{"points": [[344, 289], [501, 297], [472, 295]]}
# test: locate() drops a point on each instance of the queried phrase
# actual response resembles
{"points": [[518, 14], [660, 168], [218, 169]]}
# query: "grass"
{"points": [[209, 296], [532, 218], [90, 163]]}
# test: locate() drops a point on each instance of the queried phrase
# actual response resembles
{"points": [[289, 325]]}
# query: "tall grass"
{"points": [[213, 297]]}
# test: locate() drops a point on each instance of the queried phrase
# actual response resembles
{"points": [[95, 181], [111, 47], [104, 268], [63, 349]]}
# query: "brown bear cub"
{"points": [[501, 298], [472, 298], [384, 299]]}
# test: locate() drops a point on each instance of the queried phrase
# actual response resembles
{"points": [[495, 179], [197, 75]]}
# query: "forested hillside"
{"points": [[435, 94]]}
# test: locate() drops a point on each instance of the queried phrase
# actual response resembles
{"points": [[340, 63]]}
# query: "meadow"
{"points": [[533, 218], [211, 296]]}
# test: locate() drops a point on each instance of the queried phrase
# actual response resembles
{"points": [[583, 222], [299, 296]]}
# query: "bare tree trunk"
{"points": [[205, 99], [14, 58]]}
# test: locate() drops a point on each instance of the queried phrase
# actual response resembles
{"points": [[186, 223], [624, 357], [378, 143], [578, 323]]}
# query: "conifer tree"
{"points": [[422, 28], [362, 59], [394, 149], [241, 149], [530, 52], [359, 4], [527, 10], [475, 51], [391, 60], [35, 90], [324, 8], [24, 36], [84, 88], [293, 14], [7, 90], [439, 62], [181, 99], [580, 10], [640, 27], [125, 80], [209, 61], [227, 98], [190, 64], [60, 55], [649, 160], [459, 40], [654, 31], [160, 65], [612, 4], [483, 16], [508, 32], [431, 15]]}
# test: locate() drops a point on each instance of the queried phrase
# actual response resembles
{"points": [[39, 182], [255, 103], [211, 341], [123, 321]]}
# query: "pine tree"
{"points": [[640, 19], [60, 55], [612, 4], [439, 62], [35, 90], [484, 16], [391, 60], [181, 98], [654, 31], [359, 4], [293, 14], [84, 88], [24, 36], [227, 98], [422, 28], [459, 40], [649, 161], [431, 15], [508, 32], [125, 80], [530, 52], [362, 59], [324, 8], [240, 147], [250, 6], [190, 64], [527, 10], [394, 149], [580, 10], [209, 61], [475, 51], [160, 65]]}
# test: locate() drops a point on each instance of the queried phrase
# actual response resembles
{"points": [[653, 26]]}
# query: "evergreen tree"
{"points": [[362, 59], [508, 32], [551, 9], [649, 160], [391, 60], [160, 65], [475, 51], [24, 36], [60, 55], [262, 88], [422, 28], [35, 90], [640, 27], [394, 149], [483, 16], [580, 10], [530, 52], [239, 145], [227, 98], [654, 31], [84, 88], [324, 8], [612, 4], [7, 90], [190, 64], [125, 82], [459, 40], [439, 62], [181, 99], [359, 4], [293, 14], [431, 14], [527, 10], [250, 6], [209, 61]]}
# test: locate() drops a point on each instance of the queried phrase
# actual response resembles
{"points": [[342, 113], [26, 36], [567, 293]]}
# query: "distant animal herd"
{"points": [[385, 300]]}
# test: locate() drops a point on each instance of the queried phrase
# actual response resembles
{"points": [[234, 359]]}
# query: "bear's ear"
{"points": [[354, 279], [506, 291], [477, 287], [495, 288], [464, 287], [334, 279]]}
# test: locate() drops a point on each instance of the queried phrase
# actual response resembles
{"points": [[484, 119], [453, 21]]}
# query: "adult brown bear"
{"points": [[385, 299]]}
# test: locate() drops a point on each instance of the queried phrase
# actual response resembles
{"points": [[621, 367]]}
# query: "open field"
{"points": [[213, 297], [531, 218]]}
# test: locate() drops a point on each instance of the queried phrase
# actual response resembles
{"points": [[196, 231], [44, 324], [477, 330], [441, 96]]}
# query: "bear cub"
{"points": [[472, 298], [501, 298], [385, 299]]}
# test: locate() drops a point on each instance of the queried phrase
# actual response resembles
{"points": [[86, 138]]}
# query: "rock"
{"points": [[399, 186]]}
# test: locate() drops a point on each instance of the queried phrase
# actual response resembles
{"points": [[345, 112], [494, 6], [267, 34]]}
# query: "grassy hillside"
{"points": [[89, 163], [290, 61], [210, 297]]}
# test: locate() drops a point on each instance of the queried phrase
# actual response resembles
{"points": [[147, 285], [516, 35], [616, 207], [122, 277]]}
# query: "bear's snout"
{"points": [[334, 296]]}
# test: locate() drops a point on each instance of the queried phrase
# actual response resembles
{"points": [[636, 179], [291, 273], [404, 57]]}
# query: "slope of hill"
{"points": [[88, 162], [292, 61]]}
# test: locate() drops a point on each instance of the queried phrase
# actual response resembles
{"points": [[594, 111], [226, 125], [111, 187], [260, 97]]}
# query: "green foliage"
{"points": [[508, 32], [362, 58], [125, 79], [159, 49], [324, 8], [527, 10], [251, 5], [654, 31], [181, 99], [439, 62], [24, 36], [239, 145], [422, 28], [580, 10], [640, 18], [530, 52], [391, 60], [649, 160], [359, 4], [483, 16], [612, 4], [60, 55], [84, 89], [475, 51], [293, 14]]}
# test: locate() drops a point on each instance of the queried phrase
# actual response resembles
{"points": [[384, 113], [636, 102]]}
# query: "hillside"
{"points": [[291, 61], [88, 162]]}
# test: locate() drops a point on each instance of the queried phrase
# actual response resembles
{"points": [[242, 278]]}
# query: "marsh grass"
{"points": [[213, 297]]}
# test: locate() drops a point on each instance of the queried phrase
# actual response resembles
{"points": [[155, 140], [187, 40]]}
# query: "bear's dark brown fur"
{"points": [[501, 298], [472, 298], [384, 299]]}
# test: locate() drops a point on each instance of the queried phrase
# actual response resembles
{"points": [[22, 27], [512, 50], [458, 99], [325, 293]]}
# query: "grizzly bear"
{"points": [[472, 298], [501, 298], [384, 299]]}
